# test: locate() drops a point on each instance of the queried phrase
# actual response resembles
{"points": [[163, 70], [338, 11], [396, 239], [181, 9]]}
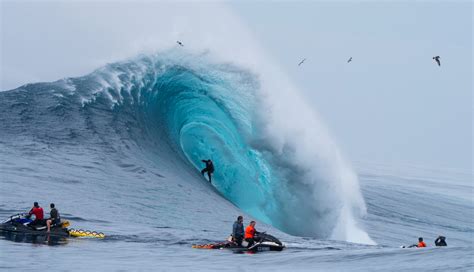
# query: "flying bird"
{"points": [[180, 43], [301, 62], [350, 59], [437, 60]]}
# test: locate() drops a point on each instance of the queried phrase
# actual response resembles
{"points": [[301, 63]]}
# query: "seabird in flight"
{"points": [[437, 60]]}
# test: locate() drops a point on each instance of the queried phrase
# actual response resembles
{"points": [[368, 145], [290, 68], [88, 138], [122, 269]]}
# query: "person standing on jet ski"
{"points": [[54, 219], [39, 214], [209, 168], [250, 232], [238, 230]]}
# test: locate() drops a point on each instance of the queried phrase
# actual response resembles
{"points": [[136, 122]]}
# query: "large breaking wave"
{"points": [[273, 159]]}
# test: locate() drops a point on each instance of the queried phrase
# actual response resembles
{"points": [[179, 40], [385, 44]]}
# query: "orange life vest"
{"points": [[249, 232], [421, 244]]}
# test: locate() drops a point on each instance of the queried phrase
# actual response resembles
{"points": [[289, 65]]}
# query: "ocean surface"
{"points": [[119, 151]]}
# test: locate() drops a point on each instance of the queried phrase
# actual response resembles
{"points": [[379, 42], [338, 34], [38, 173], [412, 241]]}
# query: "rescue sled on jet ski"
{"points": [[21, 223], [263, 242]]}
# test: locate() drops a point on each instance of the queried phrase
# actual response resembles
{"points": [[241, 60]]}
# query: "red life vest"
{"points": [[38, 212], [249, 232], [421, 244]]}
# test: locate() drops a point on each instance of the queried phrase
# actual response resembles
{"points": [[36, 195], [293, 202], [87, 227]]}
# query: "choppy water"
{"points": [[118, 151]]}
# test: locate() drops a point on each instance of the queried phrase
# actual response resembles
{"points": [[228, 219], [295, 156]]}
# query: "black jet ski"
{"points": [[21, 223], [263, 242]]}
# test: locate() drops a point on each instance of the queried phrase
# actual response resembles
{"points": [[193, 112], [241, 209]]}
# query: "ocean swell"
{"points": [[273, 158]]}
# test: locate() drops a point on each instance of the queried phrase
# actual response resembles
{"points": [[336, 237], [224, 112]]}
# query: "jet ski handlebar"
{"points": [[15, 216]]}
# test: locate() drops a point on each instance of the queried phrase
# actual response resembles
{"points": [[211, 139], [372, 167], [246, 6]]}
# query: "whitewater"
{"points": [[119, 150]]}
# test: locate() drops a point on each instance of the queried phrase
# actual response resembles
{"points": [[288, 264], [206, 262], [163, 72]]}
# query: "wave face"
{"points": [[183, 108]]}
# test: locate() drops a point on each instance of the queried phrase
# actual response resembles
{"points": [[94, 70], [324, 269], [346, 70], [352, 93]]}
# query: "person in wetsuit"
{"points": [[54, 217], [441, 241], [238, 230], [39, 214], [209, 168]]}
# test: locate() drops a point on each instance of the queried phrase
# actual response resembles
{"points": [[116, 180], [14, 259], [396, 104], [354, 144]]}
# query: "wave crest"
{"points": [[273, 158]]}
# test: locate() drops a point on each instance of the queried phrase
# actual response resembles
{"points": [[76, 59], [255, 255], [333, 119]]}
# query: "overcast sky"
{"points": [[391, 104]]}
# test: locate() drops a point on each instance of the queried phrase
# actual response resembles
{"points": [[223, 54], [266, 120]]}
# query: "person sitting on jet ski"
{"points": [[238, 230], [54, 219], [209, 168], [250, 232], [39, 215]]}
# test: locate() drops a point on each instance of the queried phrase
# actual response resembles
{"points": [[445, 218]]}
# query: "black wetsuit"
{"points": [[209, 168], [440, 241], [253, 240], [55, 219]]}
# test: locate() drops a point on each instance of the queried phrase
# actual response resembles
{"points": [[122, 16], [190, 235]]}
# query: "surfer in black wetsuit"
{"points": [[440, 241], [209, 168]]}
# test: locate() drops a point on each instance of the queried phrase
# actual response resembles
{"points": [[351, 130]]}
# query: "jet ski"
{"points": [[263, 242], [21, 223]]}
